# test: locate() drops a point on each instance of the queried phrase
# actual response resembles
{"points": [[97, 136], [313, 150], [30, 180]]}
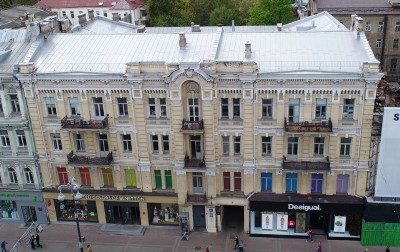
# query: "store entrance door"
{"points": [[122, 213], [29, 214], [319, 223]]}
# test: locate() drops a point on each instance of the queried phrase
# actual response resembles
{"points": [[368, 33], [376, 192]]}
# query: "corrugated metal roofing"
{"points": [[17, 42]]}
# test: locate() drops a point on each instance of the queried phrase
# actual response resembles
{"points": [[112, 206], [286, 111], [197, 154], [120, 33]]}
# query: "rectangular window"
{"points": [[168, 179], [293, 146], [393, 65], [152, 107], [15, 104], [4, 139], [98, 107], [224, 107], [266, 143], [122, 107], [105, 13], [294, 110], [236, 107], [103, 142], [345, 146], [378, 43], [397, 26], [57, 144], [380, 26], [367, 26], [72, 14], [316, 183], [74, 106], [108, 178], [319, 143], [126, 142], [64, 13], [154, 143], [291, 182], [163, 107], [267, 108], [236, 144], [62, 175], [50, 106], [165, 140], [21, 138], [97, 13], [79, 142], [320, 109], [85, 176], [348, 108], [266, 181], [157, 179], [130, 178], [194, 109], [395, 43], [225, 145], [342, 183], [237, 176], [227, 181]]}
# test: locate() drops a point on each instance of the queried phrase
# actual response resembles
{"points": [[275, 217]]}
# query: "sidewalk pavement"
{"points": [[64, 238]]}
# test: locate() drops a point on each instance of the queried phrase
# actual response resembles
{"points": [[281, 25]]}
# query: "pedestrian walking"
{"points": [[241, 245], [387, 249], [207, 250], [89, 249], [37, 238], [309, 235], [32, 241], [3, 246], [319, 247], [236, 242]]}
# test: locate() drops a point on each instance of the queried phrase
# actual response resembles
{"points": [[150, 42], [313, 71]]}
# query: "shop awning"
{"points": [[382, 212], [338, 204]]}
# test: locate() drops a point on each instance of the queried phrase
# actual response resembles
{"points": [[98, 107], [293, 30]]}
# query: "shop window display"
{"points": [[163, 214], [8, 209], [85, 210]]}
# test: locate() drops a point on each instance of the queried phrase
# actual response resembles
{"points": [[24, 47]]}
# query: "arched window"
{"points": [[28, 176], [13, 176]]}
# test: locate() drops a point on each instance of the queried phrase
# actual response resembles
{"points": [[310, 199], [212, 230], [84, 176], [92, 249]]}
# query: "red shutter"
{"points": [[227, 181]]}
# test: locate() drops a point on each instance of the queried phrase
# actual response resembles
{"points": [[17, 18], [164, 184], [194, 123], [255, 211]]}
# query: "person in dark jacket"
{"points": [[37, 238], [32, 241]]}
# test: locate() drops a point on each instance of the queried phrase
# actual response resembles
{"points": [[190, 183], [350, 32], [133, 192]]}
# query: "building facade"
{"points": [[381, 26], [20, 193], [206, 132]]}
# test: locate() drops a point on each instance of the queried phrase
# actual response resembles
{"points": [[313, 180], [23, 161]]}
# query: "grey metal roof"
{"points": [[373, 7], [320, 22], [103, 25], [14, 45]]}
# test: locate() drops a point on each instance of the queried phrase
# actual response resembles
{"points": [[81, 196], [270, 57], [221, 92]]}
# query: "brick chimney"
{"points": [[91, 14], [279, 27], [115, 17], [45, 28], [82, 19], [247, 49], [141, 29], [182, 40], [357, 25], [65, 24]]}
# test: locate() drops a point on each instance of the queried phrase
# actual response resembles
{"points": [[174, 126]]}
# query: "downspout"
{"points": [[359, 140], [254, 138], [382, 58], [137, 147]]}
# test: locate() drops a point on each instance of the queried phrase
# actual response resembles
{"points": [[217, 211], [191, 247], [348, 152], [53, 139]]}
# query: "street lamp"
{"points": [[73, 186]]}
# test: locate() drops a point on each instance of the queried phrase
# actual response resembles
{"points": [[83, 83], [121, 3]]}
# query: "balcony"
{"points": [[194, 163], [196, 198], [78, 123], [192, 126], [76, 160], [322, 164], [321, 126]]}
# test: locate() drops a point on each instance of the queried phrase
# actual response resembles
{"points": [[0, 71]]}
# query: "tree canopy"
{"points": [[271, 12]]}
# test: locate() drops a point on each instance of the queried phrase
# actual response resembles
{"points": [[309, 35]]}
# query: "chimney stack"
{"points": [[357, 25], [45, 28], [91, 14], [233, 25], [279, 26], [82, 19], [65, 24], [247, 49], [141, 29], [115, 17], [182, 40]]}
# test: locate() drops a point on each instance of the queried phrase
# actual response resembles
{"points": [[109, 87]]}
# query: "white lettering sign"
{"points": [[113, 197], [304, 207]]}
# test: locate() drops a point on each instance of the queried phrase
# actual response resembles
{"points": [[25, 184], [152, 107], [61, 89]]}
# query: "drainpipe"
{"points": [[254, 138], [385, 24], [137, 149]]}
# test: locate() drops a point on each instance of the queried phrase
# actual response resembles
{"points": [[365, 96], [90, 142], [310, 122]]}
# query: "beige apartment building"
{"points": [[270, 134]]}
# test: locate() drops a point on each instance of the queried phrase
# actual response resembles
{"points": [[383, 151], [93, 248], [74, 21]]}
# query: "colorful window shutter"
{"points": [[130, 176], [168, 179], [158, 180]]}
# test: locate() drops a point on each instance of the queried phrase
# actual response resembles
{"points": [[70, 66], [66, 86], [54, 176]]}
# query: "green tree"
{"points": [[271, 12], [222, 15], [201, 10], [169, 13]]}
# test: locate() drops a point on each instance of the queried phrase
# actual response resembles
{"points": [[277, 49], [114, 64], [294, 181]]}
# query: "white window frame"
{"points": [[29, 178], [267, 106], [397, 27], [165, 144], [293, 146], [154, 143], [380, 26], [163, 108], [236, 107], [349, 109], [368, 26], [237, 140], [122, 105], [57, 144], [4, 139], [321, 104], [225, 105], [50, 103], [193, 109], [126, 142], [152, 107], [74, 108], [15, 106], [379, 43], [103, 143], [12, 174], [346, 146], [21, 139], [319, 146], [266, 144], [79, 142], [225, 145], [98, 107]]}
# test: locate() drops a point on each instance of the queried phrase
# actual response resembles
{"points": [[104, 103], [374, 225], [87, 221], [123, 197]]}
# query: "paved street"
{"points": [[63, 237]]}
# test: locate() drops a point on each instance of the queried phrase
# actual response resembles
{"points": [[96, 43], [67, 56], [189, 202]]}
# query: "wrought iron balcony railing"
{"points": [[192, 126], [307, 165], [78, 160], [320, 126], [194, 163], [79, 123]]}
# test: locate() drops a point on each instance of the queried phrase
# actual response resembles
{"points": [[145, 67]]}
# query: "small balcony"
{"points": [[83, 160], [79, 123], [322, 164], [196, 198], [192, 126], [194, 163], [306, 126]]}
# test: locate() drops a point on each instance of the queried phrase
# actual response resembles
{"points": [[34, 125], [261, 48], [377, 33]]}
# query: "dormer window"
{"points": [[101, 4]]}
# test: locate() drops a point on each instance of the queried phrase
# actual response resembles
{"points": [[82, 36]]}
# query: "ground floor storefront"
{"points": [[115, 207], [337, 216], [22, 206]]}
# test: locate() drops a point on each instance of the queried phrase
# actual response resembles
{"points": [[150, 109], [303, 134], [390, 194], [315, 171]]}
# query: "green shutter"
{"points": [[157, 175], [168, 179], [130, 176]]}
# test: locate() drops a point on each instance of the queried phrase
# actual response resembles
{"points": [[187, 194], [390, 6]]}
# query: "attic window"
{"points": [[113, 3], [101, 3]]}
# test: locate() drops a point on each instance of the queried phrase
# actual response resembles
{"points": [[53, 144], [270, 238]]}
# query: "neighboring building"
{"points": [[20, 193], [131, 11], [222, 127], [381, 26], [17, 17]]}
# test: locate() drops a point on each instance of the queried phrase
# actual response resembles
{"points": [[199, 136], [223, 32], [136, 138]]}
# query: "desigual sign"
{"points": [[304, 207], [113, 197]]}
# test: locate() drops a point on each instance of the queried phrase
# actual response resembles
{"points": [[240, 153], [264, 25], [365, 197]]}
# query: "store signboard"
{"points": [[113, 197], [267, 221], [339, 226], [282, 221], [387, 184]]}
